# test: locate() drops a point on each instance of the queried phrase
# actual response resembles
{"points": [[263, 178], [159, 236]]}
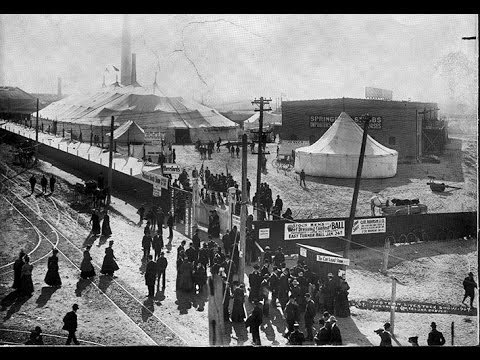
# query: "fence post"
{"points": [[453, 333], [88, 157], [130, 171], [393, 304], [386, 250]]}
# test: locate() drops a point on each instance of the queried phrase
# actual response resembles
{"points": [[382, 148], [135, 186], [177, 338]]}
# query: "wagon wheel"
{"points": [[418, 234], [441, 235], [390, 239], [402, 239], [450, 234], [425, 236], [411, 237]]}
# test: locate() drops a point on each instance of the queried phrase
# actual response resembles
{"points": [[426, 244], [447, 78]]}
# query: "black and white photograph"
{"points": [[207, 180]]}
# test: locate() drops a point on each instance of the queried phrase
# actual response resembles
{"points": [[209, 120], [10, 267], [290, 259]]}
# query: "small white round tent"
{"points": [[337, 152]]}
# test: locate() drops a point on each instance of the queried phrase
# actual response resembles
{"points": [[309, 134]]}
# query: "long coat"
{"points": [[109, 264], [95, 223], [255, 281], [106, 231], [26, 283], [86, 267], [17, 273], [335, 336], [150, 273], [185, 281], [238, 308], [52, 277]]}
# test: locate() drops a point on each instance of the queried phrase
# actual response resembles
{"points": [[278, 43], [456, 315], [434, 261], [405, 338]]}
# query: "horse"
{"points": [[378, 201]]}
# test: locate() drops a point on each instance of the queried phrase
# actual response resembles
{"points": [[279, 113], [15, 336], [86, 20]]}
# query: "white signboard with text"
{"points": [[333, 260], [264, 233], [369, 226], [311, 230], [171, 168]]}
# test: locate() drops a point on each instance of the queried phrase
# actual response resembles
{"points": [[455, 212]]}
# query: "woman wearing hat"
{"points": [[17, 269], [238, 308], [52, 277], [86, 267], [106, 230], [95, 221], [109, 265], [26, 283]]}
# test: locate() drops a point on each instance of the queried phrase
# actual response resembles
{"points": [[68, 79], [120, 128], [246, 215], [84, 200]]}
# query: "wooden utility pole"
{"points": [[386, 255], [348, 230], [216, 326], [36, 136], [243, 212], [110, 162], [261, 103], [393, 304]]}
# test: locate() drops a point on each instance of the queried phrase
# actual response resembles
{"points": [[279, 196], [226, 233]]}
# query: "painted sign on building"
{"points": [[311, 230], [325, 121], [369, 226], [171, 168], [157, 180]]}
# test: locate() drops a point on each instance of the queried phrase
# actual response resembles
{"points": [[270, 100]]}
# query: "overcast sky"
{"points": [[227, 57]]}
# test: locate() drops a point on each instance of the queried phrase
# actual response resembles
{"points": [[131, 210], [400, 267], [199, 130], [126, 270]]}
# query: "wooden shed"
{"points": [[321, 261]]}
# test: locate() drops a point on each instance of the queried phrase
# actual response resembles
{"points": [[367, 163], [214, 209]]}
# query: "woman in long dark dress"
{"points": [[86, 267], [26, 283], [95, 221], [17, 270], [109, 265], [185, 271], [342, 306], [52, 277], [238, 308], [106, 231]]}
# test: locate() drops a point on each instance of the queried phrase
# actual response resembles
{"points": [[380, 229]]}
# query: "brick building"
{"points": [[409, 127]]}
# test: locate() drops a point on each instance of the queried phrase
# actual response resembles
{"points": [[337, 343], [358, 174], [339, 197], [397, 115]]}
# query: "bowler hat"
{"points": [[470, 274], [433, 324], [75, 306]]}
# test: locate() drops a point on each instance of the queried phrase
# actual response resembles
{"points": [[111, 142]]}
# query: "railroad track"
{"points": [[119, 294]]}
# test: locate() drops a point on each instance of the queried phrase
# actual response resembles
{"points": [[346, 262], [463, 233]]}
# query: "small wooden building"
{"points": [[321, 261]]}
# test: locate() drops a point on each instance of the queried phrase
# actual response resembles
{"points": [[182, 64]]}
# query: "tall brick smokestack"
{"points": [[126, 65], [133, 80]]}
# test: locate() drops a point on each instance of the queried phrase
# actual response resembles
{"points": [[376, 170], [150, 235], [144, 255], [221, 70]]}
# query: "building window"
{"points": [[391, 140]]}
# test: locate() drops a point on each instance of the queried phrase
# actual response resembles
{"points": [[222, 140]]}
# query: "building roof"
{"points": [[137, 104], [15, 100]]}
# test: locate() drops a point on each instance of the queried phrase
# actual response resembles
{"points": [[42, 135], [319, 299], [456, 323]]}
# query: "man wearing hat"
{"points": [[385, 335], [296, 337], [283, 288], [323, 335], [255, 281], [330, 290], [309, 317], [335, 337], [469, 285], [435, 337], [35, 337], [279, 257], [254, 321], [70, 324], [268, 255], [292, 314]]}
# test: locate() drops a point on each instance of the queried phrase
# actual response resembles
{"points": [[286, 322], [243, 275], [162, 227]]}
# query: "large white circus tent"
{"points": [[337, 152]]}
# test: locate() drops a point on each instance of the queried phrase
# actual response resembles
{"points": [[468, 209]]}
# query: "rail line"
{"points": [[44, 335], [120, 303]]}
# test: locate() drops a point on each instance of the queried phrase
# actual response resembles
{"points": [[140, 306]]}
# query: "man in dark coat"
{"points": [[309, 317], [302, 178], [150, 275], [254, 321], [192, 253], [330, 291], [283, 288], [255, 281], [274, 284], [52, 183], [291, 314], [157, 243], [435, 337], [170, 226], [469, 285], [296, 337], [100, 181], [70, 324], [44, 183], [32, 182], [323, 335], [227, 243], [161, 270], [385, 335], [335, 337], [278, 258], [279, 203], [146, 245], [203, 255], [196, 240]]}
